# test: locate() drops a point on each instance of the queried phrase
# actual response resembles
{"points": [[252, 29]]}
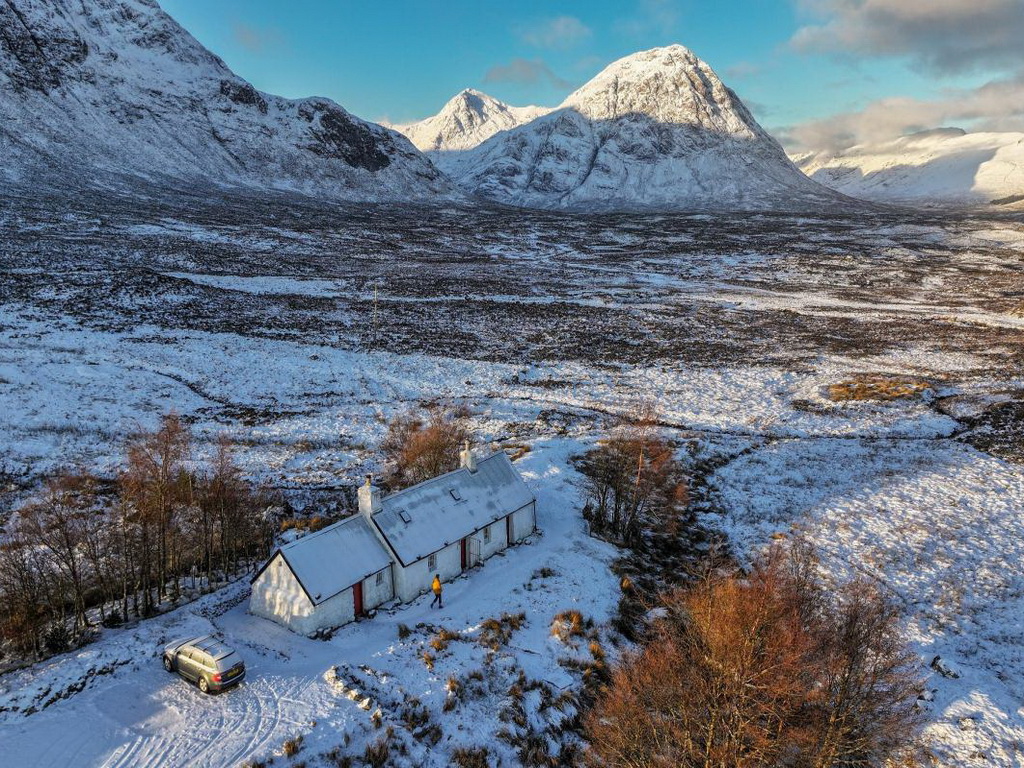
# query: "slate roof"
{"points": [[335, 558], [427, 517]]}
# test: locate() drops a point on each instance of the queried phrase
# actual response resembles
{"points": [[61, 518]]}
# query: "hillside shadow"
{"points": [[556, 154], [957, 172]]}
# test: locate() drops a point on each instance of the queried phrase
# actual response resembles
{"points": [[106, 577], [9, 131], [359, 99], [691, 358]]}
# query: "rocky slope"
{"points": [[941, 167], [468, 119], [94, 92], [657, 129]]}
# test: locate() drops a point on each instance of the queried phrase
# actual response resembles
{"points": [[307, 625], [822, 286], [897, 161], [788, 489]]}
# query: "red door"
{"points": [[465, 553], [357, 598]]}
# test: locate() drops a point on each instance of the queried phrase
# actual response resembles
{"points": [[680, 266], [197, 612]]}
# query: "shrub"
{"points": [[495, 633], [569, 624], [534, 751], [113, 619], [338, 759], [403, 632], [377, 752], [441, 640], [877, 387], [470, 757], [57, 638], [292, 746]]}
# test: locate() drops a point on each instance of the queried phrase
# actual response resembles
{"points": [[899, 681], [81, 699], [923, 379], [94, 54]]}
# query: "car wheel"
{"points": [[167, 664], [204, 685]]}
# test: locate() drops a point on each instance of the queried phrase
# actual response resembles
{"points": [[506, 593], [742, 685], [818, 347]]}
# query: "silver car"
{"points": [[206, 661]]}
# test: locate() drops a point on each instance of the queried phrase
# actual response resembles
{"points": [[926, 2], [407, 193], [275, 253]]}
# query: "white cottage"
{"points": [[393, 548], [450, 523], [324, 579]]}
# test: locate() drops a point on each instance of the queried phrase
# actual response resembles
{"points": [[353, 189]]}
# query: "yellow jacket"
{"points": [[436, 586]]}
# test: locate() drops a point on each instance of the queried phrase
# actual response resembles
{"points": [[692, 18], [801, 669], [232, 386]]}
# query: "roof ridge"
{"points": [[437, 478], [325, 529]]}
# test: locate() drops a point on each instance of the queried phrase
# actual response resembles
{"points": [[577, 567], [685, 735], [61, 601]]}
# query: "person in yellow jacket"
{"points": [[436, 587]]}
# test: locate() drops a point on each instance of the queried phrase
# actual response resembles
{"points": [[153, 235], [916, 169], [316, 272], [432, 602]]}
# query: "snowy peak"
{"points": [[468, 119], [93, 91], [657, 129], [670, 85]]}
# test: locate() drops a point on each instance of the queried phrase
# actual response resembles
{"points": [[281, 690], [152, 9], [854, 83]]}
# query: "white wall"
{"points": [[416, 579], [374, 595], [524, 522], [332, 612], [497, 542], [277, 595]]}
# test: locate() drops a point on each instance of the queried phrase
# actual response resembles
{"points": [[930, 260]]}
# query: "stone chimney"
{"points": [[369, 499], [466, 457]]}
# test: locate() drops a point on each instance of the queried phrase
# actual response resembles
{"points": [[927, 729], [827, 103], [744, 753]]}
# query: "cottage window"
{"points": [[487, 535], [380, 578], [432, 563]]}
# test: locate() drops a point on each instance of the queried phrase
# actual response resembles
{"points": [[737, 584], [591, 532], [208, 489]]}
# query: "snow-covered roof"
{"points": [[335, 558], [427, 517]]}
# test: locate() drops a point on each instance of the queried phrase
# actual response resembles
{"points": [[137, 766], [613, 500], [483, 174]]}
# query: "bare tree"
{"points": [[59, 522], [633, 478], [419, 447], [156, 484]]}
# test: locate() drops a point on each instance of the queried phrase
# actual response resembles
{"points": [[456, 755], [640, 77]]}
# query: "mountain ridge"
{"points": [[656, 129], [115, 89], [466, 120], [946, 166]]}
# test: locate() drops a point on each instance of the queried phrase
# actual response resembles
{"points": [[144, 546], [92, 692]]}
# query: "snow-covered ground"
{"points": [[939, 167], [138, 715], [544, 328]]}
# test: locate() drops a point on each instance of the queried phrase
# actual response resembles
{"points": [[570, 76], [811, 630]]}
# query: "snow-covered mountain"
{"points": [[657, 129], [468, 119], [97, 90], [944, 166]]}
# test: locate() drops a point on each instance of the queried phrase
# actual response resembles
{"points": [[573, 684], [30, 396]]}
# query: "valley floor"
{"points": [[301, 332]]}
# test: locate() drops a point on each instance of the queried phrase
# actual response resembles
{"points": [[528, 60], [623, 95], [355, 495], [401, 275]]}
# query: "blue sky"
{"points": [[794, 62]]}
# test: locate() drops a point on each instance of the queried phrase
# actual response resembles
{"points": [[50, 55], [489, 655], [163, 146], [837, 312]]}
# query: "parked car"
{"points": [[206, 661]]}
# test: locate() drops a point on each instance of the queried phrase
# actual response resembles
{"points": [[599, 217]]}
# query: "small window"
{"points": [[380, 578], [487, 535], [455, 494], [432, 563], [405, 516]]}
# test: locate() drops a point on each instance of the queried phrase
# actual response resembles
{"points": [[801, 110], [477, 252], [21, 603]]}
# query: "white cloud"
{"points": [[650, 17], [255, 40], [995, 106], [744, 69], [560, 32], [526, 71], [943, 36]]}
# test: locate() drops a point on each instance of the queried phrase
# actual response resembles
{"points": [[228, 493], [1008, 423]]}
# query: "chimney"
{"points": [[369, 499], [466, 457]]}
